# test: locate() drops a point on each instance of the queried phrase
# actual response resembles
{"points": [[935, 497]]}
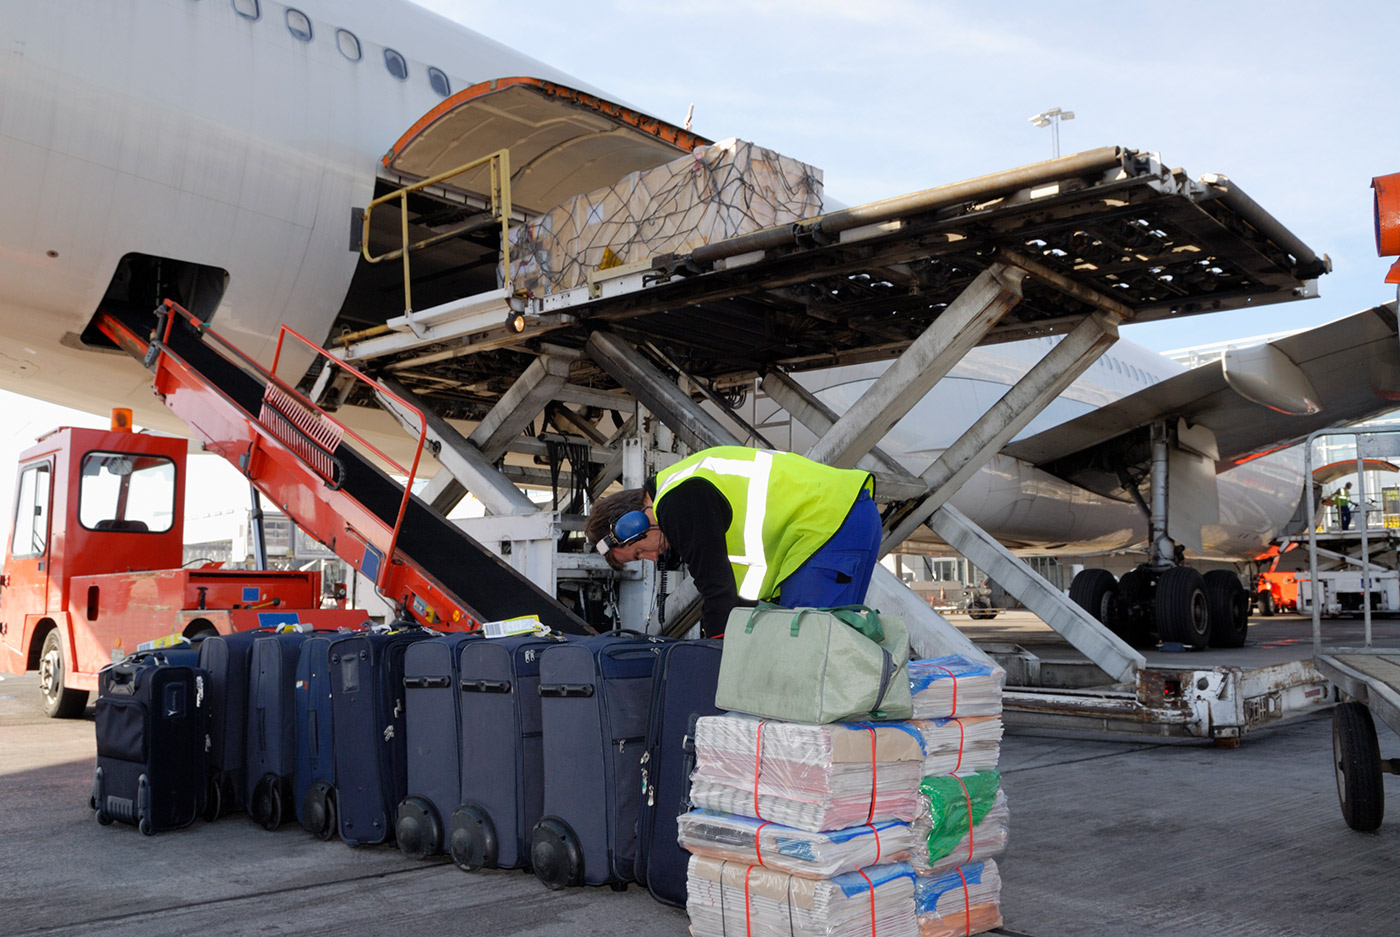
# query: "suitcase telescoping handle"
{"points": [[566, 689], [415, 683], [485, 686]]}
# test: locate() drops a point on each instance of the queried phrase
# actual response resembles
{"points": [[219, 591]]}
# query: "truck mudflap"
{"points": [[1220, 703]]}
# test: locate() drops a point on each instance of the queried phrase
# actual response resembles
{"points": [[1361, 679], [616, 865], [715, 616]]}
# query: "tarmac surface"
{"points": [[1109, 837]]}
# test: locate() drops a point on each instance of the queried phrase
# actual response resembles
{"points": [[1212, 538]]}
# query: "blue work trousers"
{"points": [[839, 572]]}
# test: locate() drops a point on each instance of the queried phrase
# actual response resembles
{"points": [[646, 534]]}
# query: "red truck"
{"points": [[93, 565]]}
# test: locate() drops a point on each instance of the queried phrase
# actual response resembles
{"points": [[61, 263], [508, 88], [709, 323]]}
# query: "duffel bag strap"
{"points": [[864, 619]]}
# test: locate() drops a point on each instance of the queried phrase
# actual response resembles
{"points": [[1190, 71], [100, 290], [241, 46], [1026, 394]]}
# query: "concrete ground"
{"points": [[1109, 838]]}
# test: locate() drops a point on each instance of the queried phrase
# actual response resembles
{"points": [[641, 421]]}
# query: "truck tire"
{"points": [[1182, 612], [1356, 756], [60, 702], [1265, 601], [1229, 608], [1096, 591]]}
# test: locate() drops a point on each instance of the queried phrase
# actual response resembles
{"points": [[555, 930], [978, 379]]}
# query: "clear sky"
{"points": [[892, 96]]}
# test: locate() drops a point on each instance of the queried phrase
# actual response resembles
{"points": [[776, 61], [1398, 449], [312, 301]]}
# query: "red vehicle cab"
{"points": [[93, 564]]}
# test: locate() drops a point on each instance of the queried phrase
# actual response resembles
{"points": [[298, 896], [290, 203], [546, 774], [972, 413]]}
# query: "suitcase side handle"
{"points": [[566, 689], [427, 682], [485, 686]]}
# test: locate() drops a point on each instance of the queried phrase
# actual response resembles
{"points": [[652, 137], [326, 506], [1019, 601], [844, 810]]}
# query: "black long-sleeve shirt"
{"points": [[694, 520]]}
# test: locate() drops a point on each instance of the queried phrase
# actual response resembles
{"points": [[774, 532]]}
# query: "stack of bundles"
{"points": [[787, 849], [716, 192], [964, 820], [960, 744], [736, 898], [955, 686], [812, 777], [965, 900]]}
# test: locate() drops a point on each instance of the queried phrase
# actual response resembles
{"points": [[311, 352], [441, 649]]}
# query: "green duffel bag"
{"points": [[815, 664]]}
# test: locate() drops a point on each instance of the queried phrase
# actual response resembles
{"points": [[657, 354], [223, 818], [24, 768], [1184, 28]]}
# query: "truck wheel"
{"points": [[1182, 612], [1265, 601], [1356, 757], [1229, 608], [59, 701]]}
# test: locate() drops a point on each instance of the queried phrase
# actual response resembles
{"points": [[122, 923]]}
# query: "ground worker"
{"points": [[751, 525], [1342, 499]]}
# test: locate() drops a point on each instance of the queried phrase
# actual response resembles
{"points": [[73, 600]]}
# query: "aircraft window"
{"points": [[439, 81], [1118, 365], [396, 64], [348, 44], [248, 9], [298, 25]]}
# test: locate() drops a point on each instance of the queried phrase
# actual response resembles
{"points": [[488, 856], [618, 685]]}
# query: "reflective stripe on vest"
{"points": [[757, 470]]}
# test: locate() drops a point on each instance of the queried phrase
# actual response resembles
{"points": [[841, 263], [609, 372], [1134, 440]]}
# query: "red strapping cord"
{"points": [[877, 843], [748, 920], [967, 903], [872, 900], [757, 763], [962, 737], [969, 817], [757, 849], [954, 711], [874, 775]]}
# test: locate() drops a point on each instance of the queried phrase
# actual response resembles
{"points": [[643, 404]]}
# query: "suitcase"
{"points": [[152, 720], [595, 694], [367, 710], [226, 657], [502, 796], [313, 782], [271, 727], [433, 723], [683, 690]]}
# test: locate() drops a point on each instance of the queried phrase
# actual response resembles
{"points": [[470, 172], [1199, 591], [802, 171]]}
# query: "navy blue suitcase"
{"points": [[272, 736], [152, 719], [226, 657], [433, 723], [502, 796], [687, 675], [367, 708], [595, 694], [313, 783]]}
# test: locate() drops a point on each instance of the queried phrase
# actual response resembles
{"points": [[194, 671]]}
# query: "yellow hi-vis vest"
{"points": [[784, 508]]}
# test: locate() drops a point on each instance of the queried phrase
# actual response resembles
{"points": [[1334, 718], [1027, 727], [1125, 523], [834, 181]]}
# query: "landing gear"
{"points": [[1137, 616], [1178, 605], [1182, 613], [1096, 591], [1229, 608]]}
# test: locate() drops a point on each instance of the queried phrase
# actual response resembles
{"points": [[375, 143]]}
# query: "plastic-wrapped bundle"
{"points": [[955, 686], [965, 900], [728, 898], [715, 192], [961, 744], [786, 849], [812, 777], [965, 820]]}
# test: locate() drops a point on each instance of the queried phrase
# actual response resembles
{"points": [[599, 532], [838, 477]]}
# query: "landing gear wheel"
{"points": [[555, 855], [1229, 608], [1133, 623], [1182, 612], [1096, 591], [416, 828], [1265, 602], [1356, 757], [59, 701], [473, 842]]}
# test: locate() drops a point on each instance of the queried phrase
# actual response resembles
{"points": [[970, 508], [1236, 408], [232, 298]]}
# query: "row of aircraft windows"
{"points": [[1114, 364], [299, 25]]}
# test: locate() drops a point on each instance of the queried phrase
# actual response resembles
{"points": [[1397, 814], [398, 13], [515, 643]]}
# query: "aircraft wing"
{"points": [[1350, 370]]}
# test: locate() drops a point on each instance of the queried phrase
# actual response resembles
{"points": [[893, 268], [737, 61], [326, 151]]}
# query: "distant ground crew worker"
{"points": [[1342, 499], [751, 525]]}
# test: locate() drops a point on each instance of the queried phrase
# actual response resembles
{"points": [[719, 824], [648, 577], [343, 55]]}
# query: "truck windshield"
{"points": [[127, 491]]}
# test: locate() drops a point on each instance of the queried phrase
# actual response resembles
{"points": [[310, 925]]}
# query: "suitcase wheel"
{"points": [[473, 844], [96, 797], [318, 811], [266, 801], [555, 854], [417, 830], [143, 806], [214, 804]]}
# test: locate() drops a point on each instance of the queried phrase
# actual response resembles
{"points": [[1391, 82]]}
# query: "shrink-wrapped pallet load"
{"points": [[787, 849], [964, 820], [718, 191], [955, 686], [960, 744], [960, 901]]}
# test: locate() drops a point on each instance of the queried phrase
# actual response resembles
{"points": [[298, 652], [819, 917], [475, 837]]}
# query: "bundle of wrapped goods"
{"points": [[796, 852], [812, 777], [962, 901], [960, 744], [955, 686], [726, 898], [965, 821], [716, 192]]}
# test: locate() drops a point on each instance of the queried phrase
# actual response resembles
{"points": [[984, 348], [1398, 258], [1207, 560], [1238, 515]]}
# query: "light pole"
{"points": [[1051, 119]]}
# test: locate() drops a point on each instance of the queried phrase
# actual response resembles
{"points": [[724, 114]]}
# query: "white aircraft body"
{"points": [[225, 145]]}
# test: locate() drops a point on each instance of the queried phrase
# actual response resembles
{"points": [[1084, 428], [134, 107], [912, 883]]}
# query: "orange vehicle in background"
{"points": [[93, 565]]}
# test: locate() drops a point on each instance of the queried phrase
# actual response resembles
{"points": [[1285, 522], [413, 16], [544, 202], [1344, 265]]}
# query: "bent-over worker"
{"points": [[751, 525]]}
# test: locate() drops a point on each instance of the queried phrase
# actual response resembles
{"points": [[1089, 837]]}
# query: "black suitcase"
{"points": [[502, 796], [433, 723], [367, 709], [272, 736], [226, 657], [313, 782], [687, 674], [152, 720], [595, 694]]}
